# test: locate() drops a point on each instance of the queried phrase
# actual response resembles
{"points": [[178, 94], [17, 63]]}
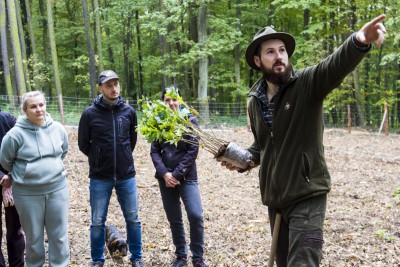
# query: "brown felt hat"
{"points": [[265, 34]]}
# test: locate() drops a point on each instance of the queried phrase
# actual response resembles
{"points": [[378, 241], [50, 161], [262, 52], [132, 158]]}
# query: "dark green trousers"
{"points": [[301, 232]]}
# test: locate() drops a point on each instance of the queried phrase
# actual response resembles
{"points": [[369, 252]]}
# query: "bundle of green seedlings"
{"points": [[160, 123]]}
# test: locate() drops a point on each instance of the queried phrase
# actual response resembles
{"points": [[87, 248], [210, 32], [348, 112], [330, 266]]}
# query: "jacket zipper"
{"points": [[114, 145]]}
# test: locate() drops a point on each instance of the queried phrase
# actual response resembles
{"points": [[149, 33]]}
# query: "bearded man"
{"points": [[286, 117]]}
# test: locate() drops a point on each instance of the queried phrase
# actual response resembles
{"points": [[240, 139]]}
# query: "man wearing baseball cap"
{"points": [[107, 137], [286, 117]]}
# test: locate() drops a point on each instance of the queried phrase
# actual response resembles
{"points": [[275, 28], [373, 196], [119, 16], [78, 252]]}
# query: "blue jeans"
{"points": [[100, 193], [189, 192]]}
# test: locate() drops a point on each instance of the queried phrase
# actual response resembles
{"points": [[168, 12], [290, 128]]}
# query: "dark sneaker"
{"points": [[137, 263], [199, 263], [96, 264], [179, 262]]}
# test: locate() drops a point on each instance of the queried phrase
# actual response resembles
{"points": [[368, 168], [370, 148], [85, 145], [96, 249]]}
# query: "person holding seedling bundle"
{"points": [[286, 117], [175, 165]]}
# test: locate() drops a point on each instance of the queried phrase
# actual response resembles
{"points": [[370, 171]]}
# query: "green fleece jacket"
{"points": [[291, 154], [34, 156]]}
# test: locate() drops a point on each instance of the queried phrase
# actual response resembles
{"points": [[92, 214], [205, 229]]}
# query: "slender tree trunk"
{"points": [[53, 49], [360, 117], [33, 44], [203, 64], [109, 48], [140, 67], [128, 75], [193, 31], [45, 44], [237, 61], [22, 44], [92, 63], [98, 34], [16, 48], [4, 52], [357, 95]]}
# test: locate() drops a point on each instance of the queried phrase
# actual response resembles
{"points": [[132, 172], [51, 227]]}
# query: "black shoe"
{"points": [[179, 262], [137, 263], [199, 263], [97, 264]]}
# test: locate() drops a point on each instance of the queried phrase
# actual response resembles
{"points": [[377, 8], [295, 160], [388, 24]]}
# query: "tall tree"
{"points": [[45, 44], [4, 50], [92, 66], [194, 37], [98, 34], [360, 119], [140, 57], [33, 43], [16, 48], [22, 44], [203, 64], [53, 49]]}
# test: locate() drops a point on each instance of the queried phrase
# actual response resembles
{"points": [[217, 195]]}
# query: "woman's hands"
{"points": [[170, 181]]}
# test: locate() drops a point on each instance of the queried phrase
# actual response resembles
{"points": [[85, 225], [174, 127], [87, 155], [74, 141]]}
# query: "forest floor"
{"points": [[362, 226]]}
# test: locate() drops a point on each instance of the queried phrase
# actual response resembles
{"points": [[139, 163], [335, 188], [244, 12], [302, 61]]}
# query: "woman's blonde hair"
{"points": [[29, 95]]}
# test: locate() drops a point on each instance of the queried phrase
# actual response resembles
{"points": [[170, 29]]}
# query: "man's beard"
{"points": [[277, 78]]}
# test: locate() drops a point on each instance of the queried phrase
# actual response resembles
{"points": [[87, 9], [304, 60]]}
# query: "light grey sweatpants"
{"points": [[40, 212]]}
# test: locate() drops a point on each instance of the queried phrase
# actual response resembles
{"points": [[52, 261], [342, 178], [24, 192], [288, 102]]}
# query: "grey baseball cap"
{"points": [[106, 76]]}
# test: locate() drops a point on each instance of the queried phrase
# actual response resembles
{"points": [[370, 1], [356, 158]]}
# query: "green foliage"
{"points": [[170, 52], [159, 122]]}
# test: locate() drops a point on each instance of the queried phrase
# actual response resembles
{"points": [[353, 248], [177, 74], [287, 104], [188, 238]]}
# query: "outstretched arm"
{"points": [[372, 32]]}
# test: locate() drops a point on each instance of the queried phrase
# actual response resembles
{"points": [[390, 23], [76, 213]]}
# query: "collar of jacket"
{"points": [[101, 103]]}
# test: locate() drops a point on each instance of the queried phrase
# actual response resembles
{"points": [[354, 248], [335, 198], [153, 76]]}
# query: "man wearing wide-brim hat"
{"points": [[286, 118]]}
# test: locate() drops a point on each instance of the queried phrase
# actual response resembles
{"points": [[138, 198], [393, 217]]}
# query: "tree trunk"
{"points": [[98, 34], [109, 48], [33, 44], [16, 48], [140, 68], [237, 62], [357, 95], [127, 64], [53, 49], [45, 44], [193, 31], [22, 44], [203, 65], [4, 52], [92, 63]]}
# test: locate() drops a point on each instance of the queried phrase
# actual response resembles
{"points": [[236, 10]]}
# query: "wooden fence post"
{"points": [[348, 119], [385, 121]]}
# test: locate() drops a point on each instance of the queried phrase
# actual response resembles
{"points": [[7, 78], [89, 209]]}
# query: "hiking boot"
{"points": [[97, 264], [179, 262], [137, 263], [199, 263]]}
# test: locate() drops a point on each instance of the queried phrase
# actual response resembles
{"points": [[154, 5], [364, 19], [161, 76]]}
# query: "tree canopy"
{"points": [[155, 43]]}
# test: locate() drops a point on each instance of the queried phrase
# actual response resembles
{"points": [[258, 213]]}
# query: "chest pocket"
{"points": [[123, 126]]}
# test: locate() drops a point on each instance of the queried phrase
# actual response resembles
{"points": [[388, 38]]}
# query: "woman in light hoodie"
{"points": [[33, 152]]}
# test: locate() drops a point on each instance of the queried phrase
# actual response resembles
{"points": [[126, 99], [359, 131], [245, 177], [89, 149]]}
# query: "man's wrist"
{"points": [[359, 44]]}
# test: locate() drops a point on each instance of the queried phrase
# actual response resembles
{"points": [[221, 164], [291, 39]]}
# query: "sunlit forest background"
{"points": [[198, 45]]}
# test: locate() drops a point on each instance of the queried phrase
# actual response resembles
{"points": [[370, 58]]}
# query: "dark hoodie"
{"points": [[107, 135]]}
